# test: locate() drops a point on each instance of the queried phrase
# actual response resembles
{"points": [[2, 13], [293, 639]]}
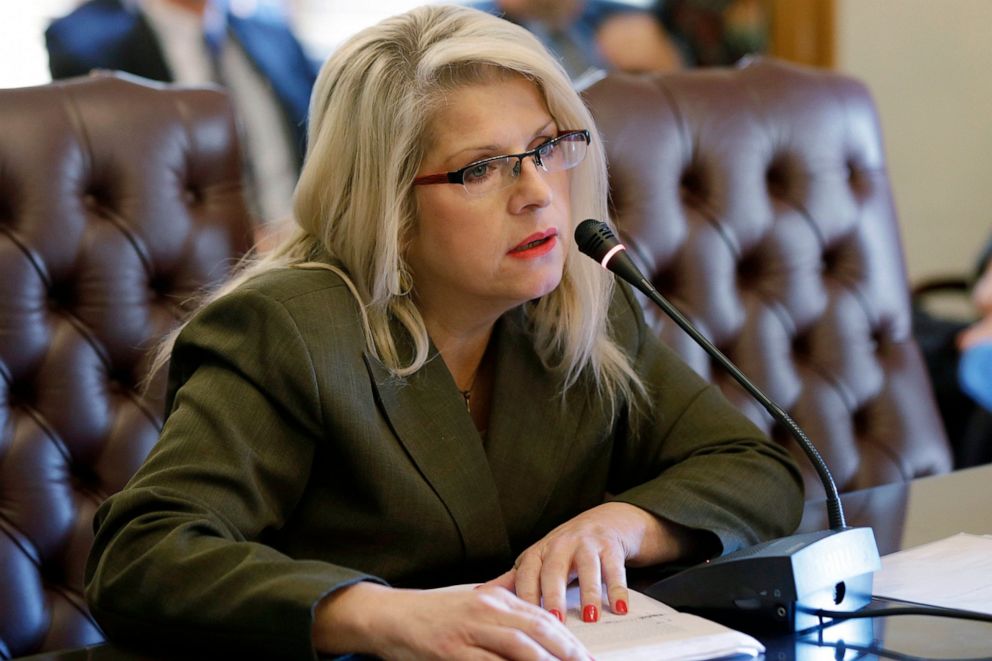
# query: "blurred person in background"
{"points": [[981, 331], [592, 36], [245, 45], [714, 32], [959, 360], [975, 366]]}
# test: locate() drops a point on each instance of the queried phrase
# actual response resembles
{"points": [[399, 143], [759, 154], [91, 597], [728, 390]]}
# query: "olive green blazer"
{"points": [[293, 463]]}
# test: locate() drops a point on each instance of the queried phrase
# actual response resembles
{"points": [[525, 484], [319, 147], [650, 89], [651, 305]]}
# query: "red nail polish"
{"points": [[557, 613], [620, 607], [590, 613]]}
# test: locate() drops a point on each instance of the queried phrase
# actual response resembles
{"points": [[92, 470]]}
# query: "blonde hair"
{"points": [[369, 112]]}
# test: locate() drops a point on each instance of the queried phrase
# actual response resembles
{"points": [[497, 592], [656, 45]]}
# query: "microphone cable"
{"points": [[933, 611]]}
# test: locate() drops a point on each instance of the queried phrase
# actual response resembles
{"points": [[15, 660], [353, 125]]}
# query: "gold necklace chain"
{"points": [[467, 394]]}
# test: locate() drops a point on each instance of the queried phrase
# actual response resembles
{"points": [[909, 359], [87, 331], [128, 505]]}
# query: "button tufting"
{"points": [[861, 422], [666, 282], [160, 284], [94, 198], [61, 296], [829, 260], [777, 178], [857, 179], [84, 477], [21, 393], [53, 573], [693, 184], [120, 380], [748, 271], [877, 340]]}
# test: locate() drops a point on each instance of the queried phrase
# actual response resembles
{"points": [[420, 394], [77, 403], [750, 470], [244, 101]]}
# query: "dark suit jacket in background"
{"points": [[107, 34], [293, 464]]}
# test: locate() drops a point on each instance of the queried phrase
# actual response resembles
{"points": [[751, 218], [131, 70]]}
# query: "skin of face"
{"points": [[465, 252]]}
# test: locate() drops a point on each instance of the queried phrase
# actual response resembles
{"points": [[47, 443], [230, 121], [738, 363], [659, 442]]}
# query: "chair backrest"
{"points": [[119, 200], [756, 199]]}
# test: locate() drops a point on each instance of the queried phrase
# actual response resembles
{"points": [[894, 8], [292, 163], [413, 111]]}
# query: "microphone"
{"points": [[777, 585]]}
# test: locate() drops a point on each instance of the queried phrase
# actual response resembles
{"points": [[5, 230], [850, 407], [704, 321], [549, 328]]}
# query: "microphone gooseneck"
{"points": [[779, 584], [595, 239]]}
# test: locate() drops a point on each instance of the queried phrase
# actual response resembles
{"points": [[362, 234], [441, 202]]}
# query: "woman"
{"points": [[426, 384]]}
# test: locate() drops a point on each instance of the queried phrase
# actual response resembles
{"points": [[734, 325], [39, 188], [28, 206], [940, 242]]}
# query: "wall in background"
{"points": [[929, 67], [803, 31], [23, 59]]}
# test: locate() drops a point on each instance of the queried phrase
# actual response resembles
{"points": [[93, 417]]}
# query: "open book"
{"points": [[651, 631]]}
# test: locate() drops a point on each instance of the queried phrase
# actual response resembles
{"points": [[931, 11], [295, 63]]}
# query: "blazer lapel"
{"points": [[428, 416], [531, 430]]}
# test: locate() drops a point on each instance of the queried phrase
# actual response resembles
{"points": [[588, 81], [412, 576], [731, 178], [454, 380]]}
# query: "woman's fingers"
{"points": [[590, 583], [507, 581], [500, 642], [543, 573], [528, 570], [485, 623], [595, 547], [615, 578], [524, 631], [554, 579], [531, 633]]}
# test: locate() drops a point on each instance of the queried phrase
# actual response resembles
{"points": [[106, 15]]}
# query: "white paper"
{"points": [[955, 572], [652, 630]]}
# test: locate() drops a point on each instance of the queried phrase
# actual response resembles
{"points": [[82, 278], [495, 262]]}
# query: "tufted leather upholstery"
{"points": [[118, 200], [756, 200]]}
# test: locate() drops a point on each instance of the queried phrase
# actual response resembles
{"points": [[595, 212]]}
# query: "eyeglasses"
{"points": [[492, 174]]}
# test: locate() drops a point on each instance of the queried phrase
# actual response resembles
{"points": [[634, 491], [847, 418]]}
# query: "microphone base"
{"points": [[776, 585]]}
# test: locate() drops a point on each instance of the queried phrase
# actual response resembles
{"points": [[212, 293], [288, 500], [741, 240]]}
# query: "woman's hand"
{"points": [[595, 547], [486, 623]]}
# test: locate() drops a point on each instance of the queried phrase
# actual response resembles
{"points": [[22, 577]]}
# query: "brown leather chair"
{"points": [[757, 201], [118, 201]]}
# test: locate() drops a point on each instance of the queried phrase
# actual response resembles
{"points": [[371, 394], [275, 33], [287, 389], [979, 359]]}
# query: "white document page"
{"points": [[652, 630], [955, 572]]}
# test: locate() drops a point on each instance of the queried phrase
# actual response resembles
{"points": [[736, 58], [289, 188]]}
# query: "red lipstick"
{"points": [[535, 245]]}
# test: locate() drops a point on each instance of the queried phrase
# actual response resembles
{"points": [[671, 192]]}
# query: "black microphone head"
{"points": [[595, 238]]}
